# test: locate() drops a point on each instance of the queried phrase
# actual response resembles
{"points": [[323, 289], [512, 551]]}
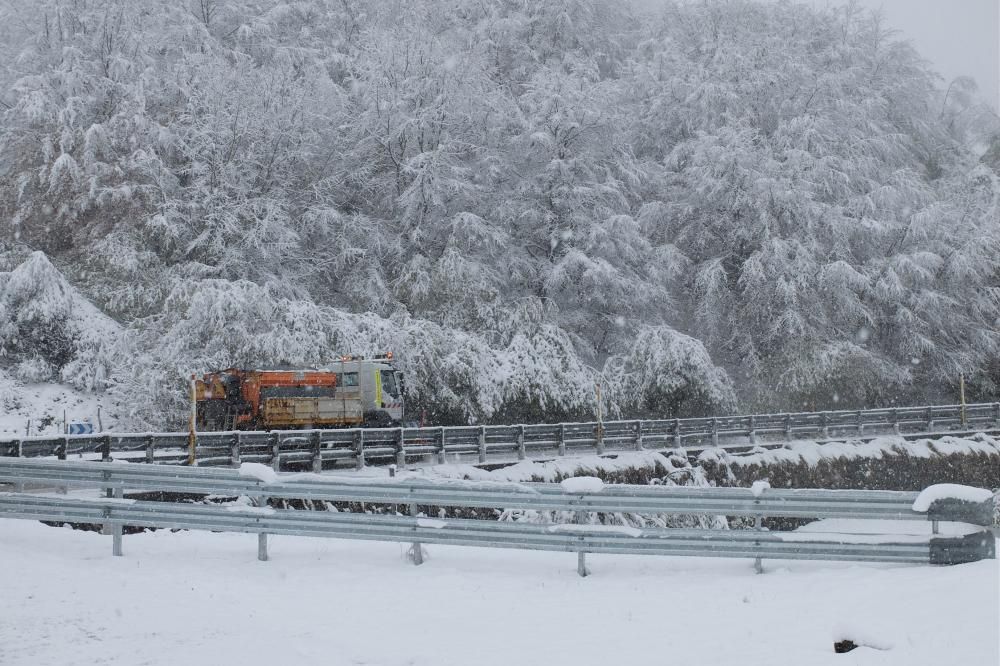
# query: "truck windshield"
{"points": [[347, 379], [389, 383]]}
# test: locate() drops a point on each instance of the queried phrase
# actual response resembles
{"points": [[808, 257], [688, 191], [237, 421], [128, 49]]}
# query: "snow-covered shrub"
{"points": [[51, 330], [10, 392], [673, 469], [888, 463], [665, 374], [92, 366], [38, 305], [34, 370]]}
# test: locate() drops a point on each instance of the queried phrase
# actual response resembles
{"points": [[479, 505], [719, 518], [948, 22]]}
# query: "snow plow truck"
{"points": [[353, 392]]}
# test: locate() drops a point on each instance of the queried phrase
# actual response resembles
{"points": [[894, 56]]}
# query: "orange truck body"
{"points": [[236, 399]]}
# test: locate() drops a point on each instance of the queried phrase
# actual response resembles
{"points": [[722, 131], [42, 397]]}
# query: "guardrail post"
{"points": [[400, 450], [150, 449], [715, 431], [359, 444], [482, 444], [276, 452], [758, 523], [109, 493], [638, 436], [416, 549], [930, 419], [788, 427], [825, 423], [521, 453], [106, 457], [996, 414], [262, 546], [581, 555], [677, 433], [599, 437], [442, 454], [752, 433], [758, 563], [895, 422], [861, 423], [260, 500], [235, 458], [561, 441], [317, 451], [116, 529], [18, 450], [61, 455]]}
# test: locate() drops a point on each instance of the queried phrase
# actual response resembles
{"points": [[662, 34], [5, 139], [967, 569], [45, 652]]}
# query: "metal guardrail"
{"points": [[359, 447], [115, 513], [789, 503]]}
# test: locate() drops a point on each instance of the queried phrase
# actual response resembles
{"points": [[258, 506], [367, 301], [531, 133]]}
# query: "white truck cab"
{"points": [[376, 382]]}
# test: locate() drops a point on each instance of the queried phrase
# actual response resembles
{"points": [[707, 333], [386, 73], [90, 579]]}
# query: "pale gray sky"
{"points": [[961, 37]]}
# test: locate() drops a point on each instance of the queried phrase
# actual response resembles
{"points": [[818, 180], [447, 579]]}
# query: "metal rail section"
{"points": [[359, 447], [115, 512]]}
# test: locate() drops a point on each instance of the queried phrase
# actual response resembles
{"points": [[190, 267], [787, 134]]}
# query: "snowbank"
{"points": [[242, 508], [650, 462], [432, 523], [946, 491], [887, 527], [887, 463], [258, 471], [596, 529], [582, 485], [836, 537], [812, 453]]}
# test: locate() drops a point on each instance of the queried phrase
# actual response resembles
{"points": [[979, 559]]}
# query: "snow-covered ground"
{"points": [[202, 598], [43, 405]]}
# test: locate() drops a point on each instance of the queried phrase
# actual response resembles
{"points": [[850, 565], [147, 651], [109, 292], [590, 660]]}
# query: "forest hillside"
{"points": [[705, 206]]}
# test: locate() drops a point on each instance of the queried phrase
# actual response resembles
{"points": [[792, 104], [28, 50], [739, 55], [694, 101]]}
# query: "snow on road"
{"points": [[201, 598]]}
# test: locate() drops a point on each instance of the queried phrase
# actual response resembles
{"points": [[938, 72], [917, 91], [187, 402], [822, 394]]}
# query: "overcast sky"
{"points": [[961, 37]]}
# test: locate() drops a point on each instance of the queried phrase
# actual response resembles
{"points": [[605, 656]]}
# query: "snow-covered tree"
{"points": [[49, 331], [704, 207]]}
